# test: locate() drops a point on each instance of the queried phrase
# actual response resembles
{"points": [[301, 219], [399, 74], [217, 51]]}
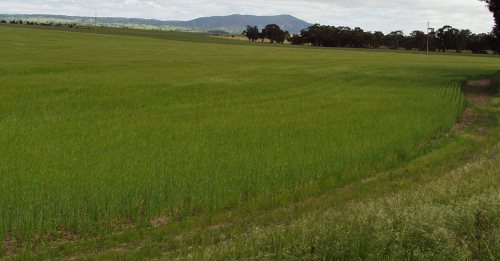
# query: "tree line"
{"points": [[272, 32], [27, 22], [445, 38], [442, 39], [494, 7]]}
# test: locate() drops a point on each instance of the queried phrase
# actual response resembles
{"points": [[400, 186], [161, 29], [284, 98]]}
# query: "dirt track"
{"points": [[479, 93]]}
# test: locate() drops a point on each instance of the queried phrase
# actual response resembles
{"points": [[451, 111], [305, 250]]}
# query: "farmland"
{"points": [[99, 131]]}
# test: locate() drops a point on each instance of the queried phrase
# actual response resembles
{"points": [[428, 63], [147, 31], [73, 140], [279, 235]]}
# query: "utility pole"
{"points": [[429, 31], [428, 25], [95, 24]]}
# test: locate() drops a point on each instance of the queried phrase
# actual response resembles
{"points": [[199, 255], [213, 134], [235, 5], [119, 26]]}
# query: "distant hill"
{"points": [[231, 24], [237, 23]]}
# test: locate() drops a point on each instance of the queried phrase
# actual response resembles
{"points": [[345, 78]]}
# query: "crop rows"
{"points": [[97, 131]]}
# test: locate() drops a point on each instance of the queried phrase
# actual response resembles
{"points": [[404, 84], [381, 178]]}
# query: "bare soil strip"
{"points": [[478, 93]]}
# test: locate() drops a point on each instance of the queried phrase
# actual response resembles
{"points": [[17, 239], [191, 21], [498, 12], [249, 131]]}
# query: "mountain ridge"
{"points": [[234, 23]]}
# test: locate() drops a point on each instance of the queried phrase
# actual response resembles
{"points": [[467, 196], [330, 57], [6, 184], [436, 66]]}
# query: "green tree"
{"points": [[447, 37], [397, 37], [494, 7], [262, 36], [478, 43], [296, 39], [252, 33], [274, 33], [462, 38], [417, 40], [357, 37], [377, 39]]}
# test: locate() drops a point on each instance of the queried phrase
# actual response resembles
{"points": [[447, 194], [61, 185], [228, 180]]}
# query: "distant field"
{"points": [[102, 130], [157, 34]]}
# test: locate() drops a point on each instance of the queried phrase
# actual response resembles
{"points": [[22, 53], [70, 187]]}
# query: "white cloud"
{"points": [[368, 14]]}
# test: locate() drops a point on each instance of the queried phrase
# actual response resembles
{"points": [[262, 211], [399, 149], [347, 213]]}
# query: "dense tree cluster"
{"points": [[20, 22], [494, 7], [252, 33], [70, 25], [443, 39], [272, 32]]}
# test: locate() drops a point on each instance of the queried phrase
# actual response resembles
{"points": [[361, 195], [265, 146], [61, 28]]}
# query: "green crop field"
{"points": [[101, 130]]}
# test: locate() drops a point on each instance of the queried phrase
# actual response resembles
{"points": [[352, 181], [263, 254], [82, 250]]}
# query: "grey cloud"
{"points": [[369, 14]]}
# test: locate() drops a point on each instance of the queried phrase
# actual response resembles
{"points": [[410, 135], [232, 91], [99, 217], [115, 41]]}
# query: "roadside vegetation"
{"points": [[117, 146]]}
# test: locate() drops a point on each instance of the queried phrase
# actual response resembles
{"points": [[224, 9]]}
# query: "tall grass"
{"points": [[455, 216], [98, 129]]}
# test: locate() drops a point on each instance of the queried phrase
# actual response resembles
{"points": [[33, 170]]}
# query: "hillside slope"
{"points": [[237, 23], [233, 23]]}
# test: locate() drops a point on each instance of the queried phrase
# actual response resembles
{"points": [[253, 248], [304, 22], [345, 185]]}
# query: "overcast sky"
{"points": [[385, 15]]}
